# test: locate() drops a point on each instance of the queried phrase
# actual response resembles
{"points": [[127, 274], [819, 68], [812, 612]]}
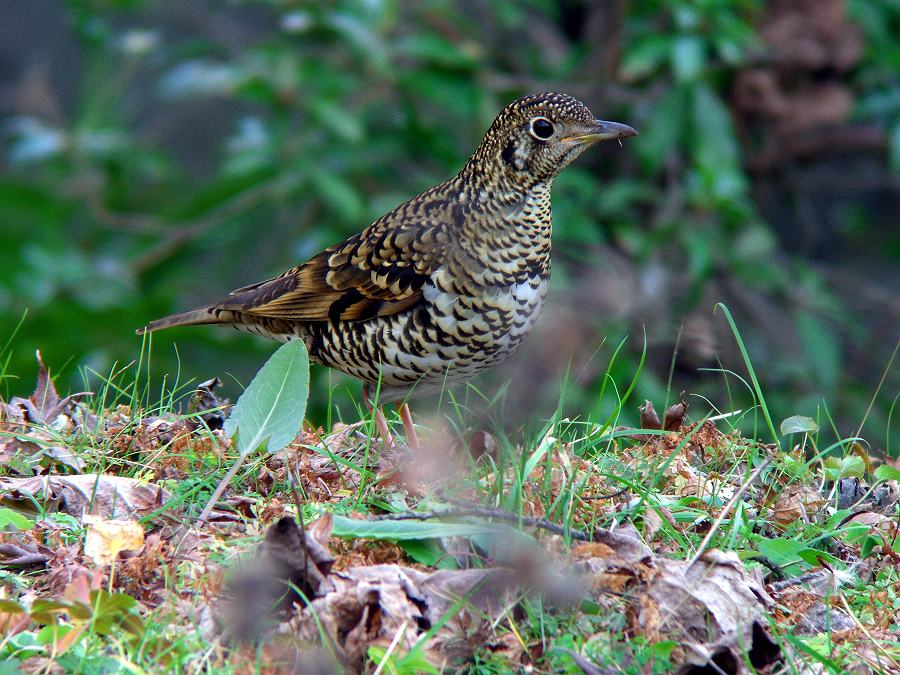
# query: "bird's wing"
{"points": [[379, 272]]}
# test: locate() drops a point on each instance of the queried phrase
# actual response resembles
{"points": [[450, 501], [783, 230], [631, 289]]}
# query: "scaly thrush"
{"points": [[447, 284]]}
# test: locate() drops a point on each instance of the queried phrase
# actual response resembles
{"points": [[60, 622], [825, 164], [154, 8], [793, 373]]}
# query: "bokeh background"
{"points": [[158, 154]]}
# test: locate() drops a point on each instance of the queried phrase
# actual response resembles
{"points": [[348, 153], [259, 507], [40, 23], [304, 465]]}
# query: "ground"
{"points": [[587, 548]]}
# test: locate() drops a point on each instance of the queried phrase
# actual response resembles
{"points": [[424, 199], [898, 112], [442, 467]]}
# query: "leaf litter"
{"points": [[307, 596]]}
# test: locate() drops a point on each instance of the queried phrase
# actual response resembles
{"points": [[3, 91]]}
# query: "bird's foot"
{"points": [[412, 438], [381, 426]]}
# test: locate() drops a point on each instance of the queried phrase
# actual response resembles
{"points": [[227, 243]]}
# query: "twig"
{"points": [[770, 565], [610, 495], [878, 648], [18, 556], [182, 235], [796, 581], [220, 488], [497, 514], [878, 389], [728, 507], [294, 480]]}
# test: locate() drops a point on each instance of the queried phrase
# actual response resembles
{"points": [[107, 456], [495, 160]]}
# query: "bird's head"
{"points": [[537, 136]]}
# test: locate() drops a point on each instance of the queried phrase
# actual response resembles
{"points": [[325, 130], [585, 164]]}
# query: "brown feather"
{"points": [[362, 277]]}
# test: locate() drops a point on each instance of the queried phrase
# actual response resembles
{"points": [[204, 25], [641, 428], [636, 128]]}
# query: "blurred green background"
{"points": [[157, 154]]}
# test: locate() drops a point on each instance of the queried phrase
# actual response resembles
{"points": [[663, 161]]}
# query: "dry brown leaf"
{"points": [[652, 523], [795, 503], [361, 606], [614, 561], [712, 599], [730, 654], [675, 415], [115, 497], [873, 520], [44, 405], [105, 538], [607, 582], [649, 418], [592, 549], [376, 605]]}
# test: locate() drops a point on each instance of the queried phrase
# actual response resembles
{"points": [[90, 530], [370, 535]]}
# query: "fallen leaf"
{"points": [[358, 607], [729, 655], [105, 538], [107, 496], [821, 618], [375, 605], [675, 415], [44, 405], [649, 418], [795, 503], [712, 599]]}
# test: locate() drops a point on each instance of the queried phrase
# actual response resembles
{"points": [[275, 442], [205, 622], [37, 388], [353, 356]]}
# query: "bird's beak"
{"points": [[601, 131]]}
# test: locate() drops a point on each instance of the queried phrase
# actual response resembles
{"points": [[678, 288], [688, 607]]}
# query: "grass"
{"points": [[792, 522]]}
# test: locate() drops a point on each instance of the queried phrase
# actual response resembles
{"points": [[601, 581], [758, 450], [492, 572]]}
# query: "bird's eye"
{"points": [[541, 128]]}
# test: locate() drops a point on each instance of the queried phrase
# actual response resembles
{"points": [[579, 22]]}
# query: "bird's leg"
{"points": [[412, 438], [381, 424]]}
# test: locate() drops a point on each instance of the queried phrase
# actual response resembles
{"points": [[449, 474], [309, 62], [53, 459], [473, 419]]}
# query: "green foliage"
{"points": [[269, 414], [14, 519], [401, 530], [798, 424], [270, 411], [885, 472], [850, 466]]}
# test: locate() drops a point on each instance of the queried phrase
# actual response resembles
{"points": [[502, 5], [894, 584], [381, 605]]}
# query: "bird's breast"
{"points": [[491, 317]]}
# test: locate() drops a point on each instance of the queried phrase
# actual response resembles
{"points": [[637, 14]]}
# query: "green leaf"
{"points": [[688, 57], [793, 467], [113, 609], [868, 545], [886, 472], [851, 466], [345, 123], [715, 145], [14, 518], [438, 50], [644, 56], [340, 195], [814, 556], [428, 552], [44, 610], [781, 551], [401, 530], [665, 648], [270, 411], [799, 424], [664, 129]]}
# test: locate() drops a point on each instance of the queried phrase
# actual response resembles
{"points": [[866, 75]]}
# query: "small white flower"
{"points": [[296, 22], [138, 42]]}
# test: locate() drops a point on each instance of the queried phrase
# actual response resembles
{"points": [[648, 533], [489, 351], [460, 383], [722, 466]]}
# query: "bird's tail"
{"points": [[193, 317]]}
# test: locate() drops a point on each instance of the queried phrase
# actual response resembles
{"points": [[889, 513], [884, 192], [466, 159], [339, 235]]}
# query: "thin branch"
{"points": [[608, 495], [796, 581], [179, 237]]}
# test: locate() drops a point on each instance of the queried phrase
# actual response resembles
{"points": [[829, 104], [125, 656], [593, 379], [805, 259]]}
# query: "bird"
{"points": [[442, 287]]}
